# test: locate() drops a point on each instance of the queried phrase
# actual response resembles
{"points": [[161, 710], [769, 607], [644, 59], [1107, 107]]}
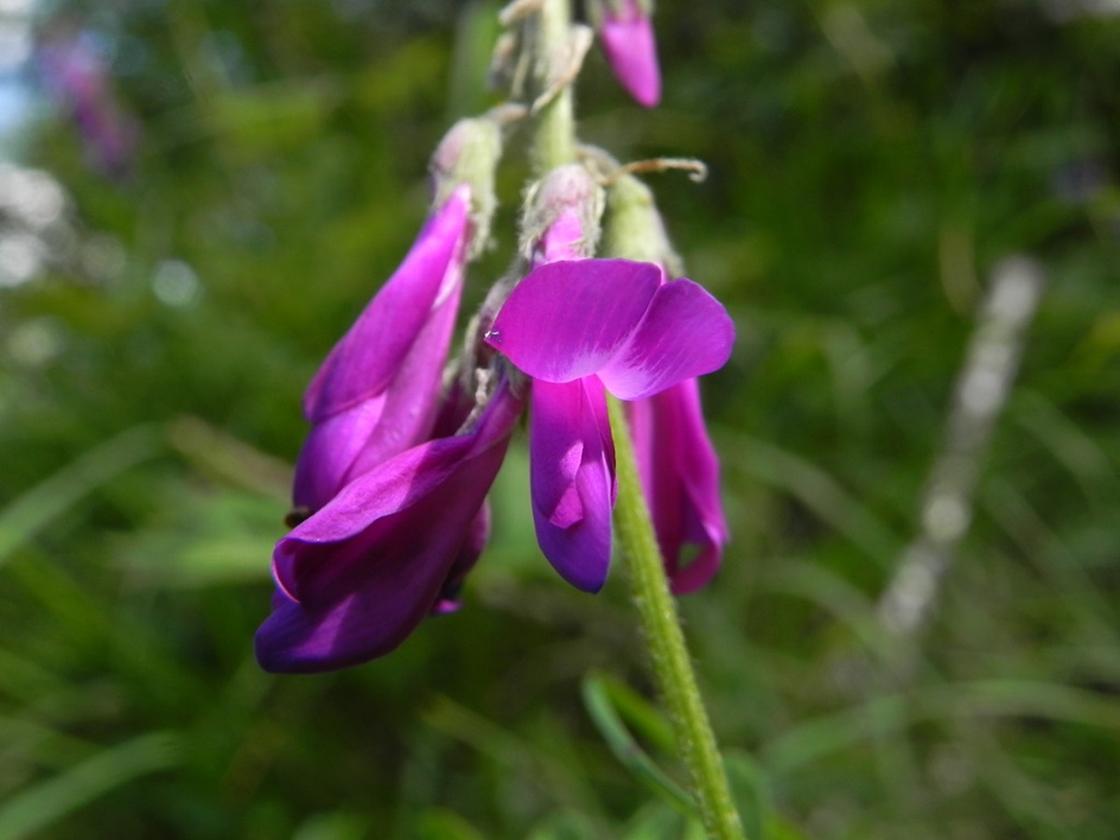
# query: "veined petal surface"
{"points": [[616, 319], [566, 319], [685, 333]]}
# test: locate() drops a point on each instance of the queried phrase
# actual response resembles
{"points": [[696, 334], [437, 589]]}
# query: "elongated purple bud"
{"points": [[378, 391], [679, 471], [626, 31]]}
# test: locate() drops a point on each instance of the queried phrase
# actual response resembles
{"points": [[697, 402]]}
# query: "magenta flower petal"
{"points": [[347, 444], [572, 478], [412, 402], [613, 318], [631, 50], [478, 534], [368, 357], [367, 404], [680, 475], [563, 239], [566, 319], [685, 333], [330, 451], [358, 576]]}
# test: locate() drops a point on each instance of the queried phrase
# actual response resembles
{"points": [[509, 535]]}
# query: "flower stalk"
{"points": [[555, 135], [662, 631], [392, 440], [554, 144]]}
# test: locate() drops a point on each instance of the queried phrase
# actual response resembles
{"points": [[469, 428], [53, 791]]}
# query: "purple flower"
{"points": [[628, 41], [75, 73], [394, 475], [580, 328], [357, 577], [378, 391], [392, 479], [680, 476]]}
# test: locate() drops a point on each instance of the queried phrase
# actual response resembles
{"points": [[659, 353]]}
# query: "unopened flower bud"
{"points": [[628, 41], [469, 154], [634, 228], [562, 215]]}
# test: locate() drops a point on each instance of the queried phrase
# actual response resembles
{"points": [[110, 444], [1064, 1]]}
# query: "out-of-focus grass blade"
{"points": [[598, 700], [204, 537], [336, 825], [1027, 527], [654, 821], [441, 824], [1084, 457], [536, 761], [26, 679], [82, 620], [565, 825], [219, 561], [833, 594], [638, 712], [26, 740], [30, 811], [813, 739], [203, 562], [229, 459], [820, 492], [816, 738], [44, 502], [751, 790]]}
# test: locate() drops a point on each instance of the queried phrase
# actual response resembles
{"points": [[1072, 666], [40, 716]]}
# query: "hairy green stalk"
{"points": [[555, 135], [662, 630], [554, 144]]}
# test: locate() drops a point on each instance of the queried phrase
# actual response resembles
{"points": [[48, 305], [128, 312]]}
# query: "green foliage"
{"points": [[870, 163]]}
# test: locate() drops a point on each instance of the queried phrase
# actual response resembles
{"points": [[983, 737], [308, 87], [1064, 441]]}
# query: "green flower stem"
{"points": [[662, 630], [555, 137], [554, 144]]}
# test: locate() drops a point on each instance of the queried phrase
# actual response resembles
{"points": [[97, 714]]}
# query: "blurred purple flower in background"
{"points": [[74, 71], [626, 32]]}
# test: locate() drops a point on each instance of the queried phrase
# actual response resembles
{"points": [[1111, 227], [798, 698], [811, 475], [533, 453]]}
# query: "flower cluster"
{"points": [[390, 487]]}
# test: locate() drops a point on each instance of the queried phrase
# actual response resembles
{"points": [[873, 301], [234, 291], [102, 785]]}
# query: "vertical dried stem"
{"points": [[981, 393]]}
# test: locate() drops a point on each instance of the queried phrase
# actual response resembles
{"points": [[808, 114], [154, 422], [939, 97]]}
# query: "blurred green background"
{"points": [[871, 162]]}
